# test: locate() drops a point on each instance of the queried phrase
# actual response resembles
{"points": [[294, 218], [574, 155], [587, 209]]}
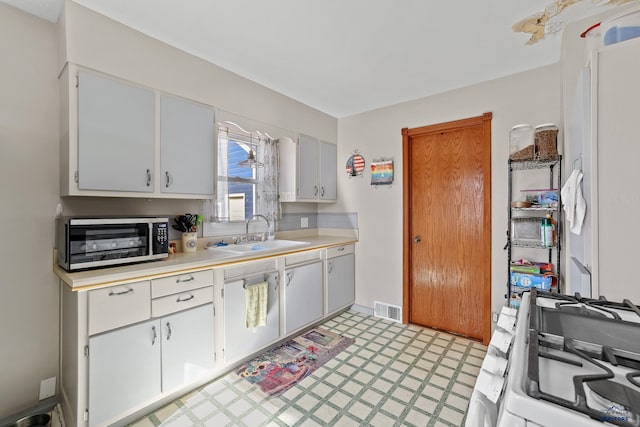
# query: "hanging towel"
{"points": [[573, 203], [256, 304]]}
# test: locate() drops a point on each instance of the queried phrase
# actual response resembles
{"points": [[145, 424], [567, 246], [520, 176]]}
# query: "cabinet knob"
{"points": [[417, 239]]}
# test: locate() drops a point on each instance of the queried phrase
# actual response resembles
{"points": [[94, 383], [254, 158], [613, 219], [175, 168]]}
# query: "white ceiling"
{"points": [[348, 56]]}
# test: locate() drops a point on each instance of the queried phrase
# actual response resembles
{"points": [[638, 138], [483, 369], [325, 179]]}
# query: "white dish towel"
{"points": [[256, 304], [573, 203]]}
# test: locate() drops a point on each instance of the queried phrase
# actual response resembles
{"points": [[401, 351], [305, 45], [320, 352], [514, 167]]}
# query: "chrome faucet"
{"points": [[258, 216]]}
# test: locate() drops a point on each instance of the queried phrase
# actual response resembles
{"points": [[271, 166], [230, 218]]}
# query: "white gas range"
{"points": [[566, 361]]}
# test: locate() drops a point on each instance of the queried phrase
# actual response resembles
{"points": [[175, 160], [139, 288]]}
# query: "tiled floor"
{"points": [[394, 374]]}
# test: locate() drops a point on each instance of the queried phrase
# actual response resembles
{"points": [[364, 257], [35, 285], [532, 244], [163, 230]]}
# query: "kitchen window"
{"points": [[247, 176]]}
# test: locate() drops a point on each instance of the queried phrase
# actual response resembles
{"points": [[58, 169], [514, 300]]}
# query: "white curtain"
{"points": [[220, 209], [267, 191]]}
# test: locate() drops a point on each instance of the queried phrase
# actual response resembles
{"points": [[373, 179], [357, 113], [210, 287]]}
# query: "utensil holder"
{"points": [[189, 241]]}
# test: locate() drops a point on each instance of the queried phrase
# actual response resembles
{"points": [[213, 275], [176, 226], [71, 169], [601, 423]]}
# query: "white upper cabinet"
{"points": [[308, 170], [115, 135], [187, 142], [328, 171], [307, 167], [120, 139]]}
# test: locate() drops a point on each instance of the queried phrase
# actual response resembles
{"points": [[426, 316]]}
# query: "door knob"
{"points": [[417, 239]]}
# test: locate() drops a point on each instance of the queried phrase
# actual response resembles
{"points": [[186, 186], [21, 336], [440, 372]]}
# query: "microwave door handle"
{"points": [[150, 243]]}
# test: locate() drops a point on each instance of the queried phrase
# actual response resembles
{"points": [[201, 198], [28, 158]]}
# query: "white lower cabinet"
{"points": [[303, 295], [124, 368], [341, 291], [239, 340], [187, 346], [126, 347], [134, 364]]}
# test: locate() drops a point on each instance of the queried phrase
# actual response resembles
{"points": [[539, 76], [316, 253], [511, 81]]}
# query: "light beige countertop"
{"points": [[202, 259]]}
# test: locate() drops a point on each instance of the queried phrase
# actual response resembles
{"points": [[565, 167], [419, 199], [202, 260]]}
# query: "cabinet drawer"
{"points": [[339, 250], [302, 258], [181, 283], [181, 301], [117, 306]]}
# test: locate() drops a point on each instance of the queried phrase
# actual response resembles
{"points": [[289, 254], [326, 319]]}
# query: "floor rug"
{"points": [[281, 368]]}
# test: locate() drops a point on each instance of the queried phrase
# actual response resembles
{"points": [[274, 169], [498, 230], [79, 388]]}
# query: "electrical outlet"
{"points": [[47, 388], [304, 222], [494, 317]]}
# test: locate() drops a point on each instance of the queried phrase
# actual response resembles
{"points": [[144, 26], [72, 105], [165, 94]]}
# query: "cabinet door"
{"points": [[328, 171], [124, 370], [303, 295], [187, 147], [238, 340], [307, 167], [115, 135], [341, 290], [187, 346]]}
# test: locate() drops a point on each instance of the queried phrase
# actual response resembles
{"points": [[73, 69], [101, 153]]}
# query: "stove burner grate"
{"points": [[616, 394], [600, 339]]}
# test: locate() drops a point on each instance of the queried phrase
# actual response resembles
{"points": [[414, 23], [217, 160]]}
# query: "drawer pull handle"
{"points": [[330, 267], [155, 335], [189, 298], [190, 279], [341, 249], [114, 294], [168, 331]]}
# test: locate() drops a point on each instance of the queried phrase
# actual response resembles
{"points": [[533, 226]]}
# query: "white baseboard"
{"points": [[362, 309]]}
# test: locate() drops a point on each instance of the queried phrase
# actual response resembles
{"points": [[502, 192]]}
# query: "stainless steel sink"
{"points": [[245, 248]]}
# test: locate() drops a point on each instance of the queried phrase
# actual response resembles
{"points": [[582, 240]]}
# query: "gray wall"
{"points": [[29, 115], [530, 97]]}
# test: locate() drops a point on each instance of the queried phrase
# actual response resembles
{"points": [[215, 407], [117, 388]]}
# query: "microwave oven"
{"points": [[84, 243]]}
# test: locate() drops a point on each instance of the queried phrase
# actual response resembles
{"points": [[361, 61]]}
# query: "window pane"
{"points": [[247, 190], [238, 152]]}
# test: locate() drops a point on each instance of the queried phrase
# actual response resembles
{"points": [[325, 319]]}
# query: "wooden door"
{"points": [[447, 226]]}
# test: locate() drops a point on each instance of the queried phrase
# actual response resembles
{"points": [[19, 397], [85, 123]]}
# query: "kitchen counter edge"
{"points": [[181, 263]]}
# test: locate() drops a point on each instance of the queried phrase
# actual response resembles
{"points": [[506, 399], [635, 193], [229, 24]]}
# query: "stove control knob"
{"points": [[94, 246], [131, 243], [114, 244]]}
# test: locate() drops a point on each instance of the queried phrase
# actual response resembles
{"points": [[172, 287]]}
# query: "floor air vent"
{"points": [[387, 311]]}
